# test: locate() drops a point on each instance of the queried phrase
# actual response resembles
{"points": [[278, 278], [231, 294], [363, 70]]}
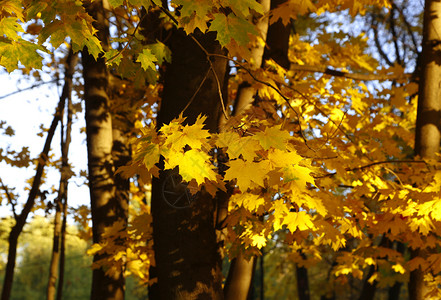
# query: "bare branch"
{"points": [[355, 76], [377, 42], [374, 164], [28, 88], [10, 198]]}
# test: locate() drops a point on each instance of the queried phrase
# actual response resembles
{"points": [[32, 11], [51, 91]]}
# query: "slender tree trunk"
{"points": [[428, 135], [106, 210], [62, 252], [62, 192], [239, 278], [302, 281], [20, 221], [241, 270], [188, 263], [368, 290], [64, 206]]}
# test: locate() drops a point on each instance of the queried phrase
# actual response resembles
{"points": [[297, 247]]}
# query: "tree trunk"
{"points": [[302, 281], [368, 290], [239, 278], [427, 139], [64, 206], [106, 210], [188, 263], [62, 252], [241, 270], [62, 192], [20, 220]]}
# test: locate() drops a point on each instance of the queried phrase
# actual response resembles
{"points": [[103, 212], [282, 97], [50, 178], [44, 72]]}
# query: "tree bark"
{"points": [[105, 207], [62, 192], [239, 277], [241, 270], [368, 290], [188, 263], [302, 281], [428, 135], [427, 140]]}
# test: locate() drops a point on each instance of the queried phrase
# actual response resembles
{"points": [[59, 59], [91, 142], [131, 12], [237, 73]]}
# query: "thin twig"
{"points": [[374, 164], [132, 36], [28, 88], [354, 76], [10, 200], [271, 86], [196, 92]]}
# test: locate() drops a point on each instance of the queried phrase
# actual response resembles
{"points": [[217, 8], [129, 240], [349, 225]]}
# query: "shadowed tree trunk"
{"points": [[302, 281], [105, 207], [427, 139], [188, 263]]}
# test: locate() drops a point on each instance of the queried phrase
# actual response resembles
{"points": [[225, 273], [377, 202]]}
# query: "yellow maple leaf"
{"points": [[290, 9], [193, 164], [245, 146], [280, 158], [273, 137], [245, 173], [298, 220], [250, 201], [191, 135]]}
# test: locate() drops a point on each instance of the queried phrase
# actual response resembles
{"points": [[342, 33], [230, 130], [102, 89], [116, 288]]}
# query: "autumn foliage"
{"points": [[322, 160]]}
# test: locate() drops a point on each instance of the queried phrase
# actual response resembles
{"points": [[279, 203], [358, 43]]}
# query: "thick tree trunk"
{"points": [[62, 192], [105, 207], [278, 40], [427, 140], [428, 135], [21, 219], [188, 263]]}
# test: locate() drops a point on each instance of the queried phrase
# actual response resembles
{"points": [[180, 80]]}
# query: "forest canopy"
{"points": [[236, 149]]}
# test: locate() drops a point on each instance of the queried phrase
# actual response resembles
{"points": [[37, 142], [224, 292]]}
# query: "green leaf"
{"points": [[13, 7], [147, 59], [231, 27], [161, 52], [242, 7], [188, 7], [56, 31], [21, 50], [116, 3], [145, 3], [10, 27], [35, 8], [113, 56]]}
